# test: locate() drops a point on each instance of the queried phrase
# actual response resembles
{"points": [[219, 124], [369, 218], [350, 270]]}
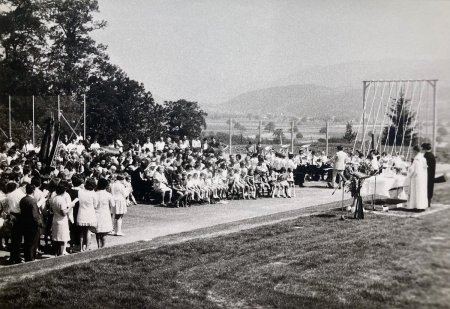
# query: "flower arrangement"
{"points": [[366, 168]]}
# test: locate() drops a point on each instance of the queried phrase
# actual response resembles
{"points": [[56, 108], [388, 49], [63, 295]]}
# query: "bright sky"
{"points": [[206, 50]]}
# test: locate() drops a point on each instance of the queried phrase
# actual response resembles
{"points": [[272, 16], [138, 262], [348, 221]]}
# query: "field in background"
{"points": [[310, 129]]}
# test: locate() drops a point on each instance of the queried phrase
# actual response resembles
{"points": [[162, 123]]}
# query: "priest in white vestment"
{"points": [[417, 179]]}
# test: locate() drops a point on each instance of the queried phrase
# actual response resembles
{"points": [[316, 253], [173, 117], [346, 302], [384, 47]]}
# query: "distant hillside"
{"points": [[297, 100], [315, 101], [345, 79]]}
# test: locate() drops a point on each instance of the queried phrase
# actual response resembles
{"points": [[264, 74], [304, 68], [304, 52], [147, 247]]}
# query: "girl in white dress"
{"points": [[417, 179], [87, 219], [103, 212], [119, 193], [60, 224]]}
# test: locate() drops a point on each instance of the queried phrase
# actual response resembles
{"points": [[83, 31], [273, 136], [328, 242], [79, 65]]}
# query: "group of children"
{"points": [[209, 186]]}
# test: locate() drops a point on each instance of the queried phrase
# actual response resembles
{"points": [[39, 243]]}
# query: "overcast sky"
{"points": [[205, 50]]}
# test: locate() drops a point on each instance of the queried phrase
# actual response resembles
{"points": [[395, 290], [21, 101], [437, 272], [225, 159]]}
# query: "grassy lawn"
{"points": [[311, 262]]}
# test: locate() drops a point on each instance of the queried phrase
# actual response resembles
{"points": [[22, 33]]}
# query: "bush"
{"points": [[442, 131]]}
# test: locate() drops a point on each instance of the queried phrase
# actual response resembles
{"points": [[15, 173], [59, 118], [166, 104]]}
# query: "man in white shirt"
{"points": [[196, 143], [186, 142], [79, 147], [12, 201], [338, 167], [323, 158], [95, 145], [148, 145], [28, 146], [159, 145]]}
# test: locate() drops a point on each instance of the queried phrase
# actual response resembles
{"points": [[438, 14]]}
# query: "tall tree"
{"points": [[184, 118], [399, 128], [120, 107], [23, 45], [73, 55]]}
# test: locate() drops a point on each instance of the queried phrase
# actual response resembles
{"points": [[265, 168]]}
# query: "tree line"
{"points": [[47, 50]]}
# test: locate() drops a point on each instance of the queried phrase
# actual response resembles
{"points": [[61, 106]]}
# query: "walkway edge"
{"points": [[20, 272]]}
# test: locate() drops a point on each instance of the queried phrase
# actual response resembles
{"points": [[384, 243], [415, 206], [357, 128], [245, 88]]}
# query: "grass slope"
{"points": [[312, 262]]}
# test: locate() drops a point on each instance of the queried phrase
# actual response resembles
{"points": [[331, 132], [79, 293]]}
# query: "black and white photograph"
{"points": [[225, 154]]}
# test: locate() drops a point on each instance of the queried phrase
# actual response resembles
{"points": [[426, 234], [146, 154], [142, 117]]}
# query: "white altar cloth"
{"points": [[382, 184]]}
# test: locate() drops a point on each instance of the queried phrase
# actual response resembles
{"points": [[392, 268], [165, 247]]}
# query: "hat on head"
{"points": [[426, 146]]}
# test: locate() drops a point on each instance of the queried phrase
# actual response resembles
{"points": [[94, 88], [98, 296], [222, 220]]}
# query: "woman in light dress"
{"points": [[417, 179], [103, 212], [119, 193], [86, 218], [60, 225]]}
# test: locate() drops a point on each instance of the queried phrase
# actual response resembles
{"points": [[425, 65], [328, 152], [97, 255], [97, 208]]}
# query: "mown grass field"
{"points": [[311, 262]]}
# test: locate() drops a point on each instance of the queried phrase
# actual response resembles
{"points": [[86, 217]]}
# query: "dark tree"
{"points": [[120, 107], [399, 128], [270, 126], [184, 118], [23, 44], [349, 134], [278, 133], [238, 126], [74, 55]]}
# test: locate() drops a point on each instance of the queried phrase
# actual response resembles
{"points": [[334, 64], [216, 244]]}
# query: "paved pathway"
{"points": [[144, 222], [147, 222]]}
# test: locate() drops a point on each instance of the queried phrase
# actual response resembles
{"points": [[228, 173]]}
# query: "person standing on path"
{"points": [[338, 167], [103, 212], [119, 193], [431, 170], [86, 218], [31, 223], [13, 197], [417, 179], [60, 222]]}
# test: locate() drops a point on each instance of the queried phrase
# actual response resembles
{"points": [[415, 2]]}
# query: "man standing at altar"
{"points": [[417, 179], [431, 162]]}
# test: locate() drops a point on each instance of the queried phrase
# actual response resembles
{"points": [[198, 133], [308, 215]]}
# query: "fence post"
{"points": [[84, 116], [260, 130], [9, 115], [33, 124], [229, 132], [59, 110], [292, 136], [364, 119], [326, 138], [434, 116]]}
